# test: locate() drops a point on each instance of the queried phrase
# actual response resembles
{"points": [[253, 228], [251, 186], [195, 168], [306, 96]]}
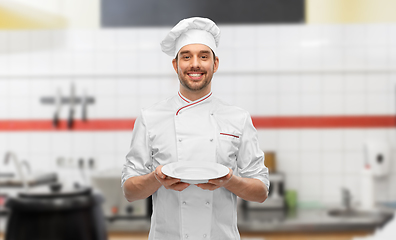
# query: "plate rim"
{"points": [[194, 162]]}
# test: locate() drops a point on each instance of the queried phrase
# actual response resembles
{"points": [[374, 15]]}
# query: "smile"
{"points": [[195, 74]]}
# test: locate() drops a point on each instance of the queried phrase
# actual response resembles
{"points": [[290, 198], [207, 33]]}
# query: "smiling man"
{"points": [[195, 67], [194, 126]]}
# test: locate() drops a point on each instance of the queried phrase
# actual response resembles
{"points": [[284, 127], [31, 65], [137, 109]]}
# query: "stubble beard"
{"points": [[190, 84]]}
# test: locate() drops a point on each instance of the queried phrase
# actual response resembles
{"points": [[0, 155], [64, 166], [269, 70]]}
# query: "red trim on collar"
{"points": [[181, 96], [193, 103]]}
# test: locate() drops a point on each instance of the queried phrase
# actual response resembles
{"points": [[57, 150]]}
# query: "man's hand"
{"points": [[214, 184], [169, 182]]}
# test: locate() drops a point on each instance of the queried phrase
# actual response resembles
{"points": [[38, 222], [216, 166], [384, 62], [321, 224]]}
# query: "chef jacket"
{"points": [[203, 130]]}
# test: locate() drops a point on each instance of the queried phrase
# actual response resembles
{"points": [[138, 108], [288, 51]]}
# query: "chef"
{"points": [[194, 125]]}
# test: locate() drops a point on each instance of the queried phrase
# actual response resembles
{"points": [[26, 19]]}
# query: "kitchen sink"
{"points": [[351, 213], [6, 175]]}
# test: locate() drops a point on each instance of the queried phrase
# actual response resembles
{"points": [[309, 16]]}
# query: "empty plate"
{"points": [[194, 172]]}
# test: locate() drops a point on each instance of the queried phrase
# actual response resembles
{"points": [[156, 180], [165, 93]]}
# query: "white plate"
{"points": [[194, 172]]}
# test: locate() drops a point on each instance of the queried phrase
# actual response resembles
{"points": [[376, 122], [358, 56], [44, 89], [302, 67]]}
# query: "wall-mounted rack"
{"points": [[72, 100], [67, 100]]}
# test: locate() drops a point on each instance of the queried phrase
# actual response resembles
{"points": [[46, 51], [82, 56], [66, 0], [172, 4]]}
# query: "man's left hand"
{"points": [[214, 184]]}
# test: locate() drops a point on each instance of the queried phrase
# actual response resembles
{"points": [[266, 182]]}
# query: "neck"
{"points": [[194, 95]]}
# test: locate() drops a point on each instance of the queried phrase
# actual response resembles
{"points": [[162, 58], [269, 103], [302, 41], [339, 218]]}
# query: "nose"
{"points": [[195, 62]]}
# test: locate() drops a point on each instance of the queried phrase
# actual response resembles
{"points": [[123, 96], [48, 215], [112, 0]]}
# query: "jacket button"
{"points": [[207, 203], [180, 140], [204, 235], [184, 203], [186, 236], [211, 139]]}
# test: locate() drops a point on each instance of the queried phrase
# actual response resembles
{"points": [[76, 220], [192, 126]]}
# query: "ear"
{"points": [[174, 63], [216, 64]]}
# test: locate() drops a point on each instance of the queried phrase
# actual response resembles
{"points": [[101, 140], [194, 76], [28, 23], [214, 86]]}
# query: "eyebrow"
{"points": [[203, 51]]}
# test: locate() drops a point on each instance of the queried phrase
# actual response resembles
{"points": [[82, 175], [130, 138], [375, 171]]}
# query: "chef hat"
{"points": [[191, 31]]}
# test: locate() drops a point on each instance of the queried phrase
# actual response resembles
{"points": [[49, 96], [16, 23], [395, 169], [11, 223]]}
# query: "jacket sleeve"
{"points": [[250, 158], [138, 160]]}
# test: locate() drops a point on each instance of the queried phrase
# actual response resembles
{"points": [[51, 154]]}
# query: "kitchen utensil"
{"points": [[194, 172], [84, 106], [58, 105], [70, 120]]}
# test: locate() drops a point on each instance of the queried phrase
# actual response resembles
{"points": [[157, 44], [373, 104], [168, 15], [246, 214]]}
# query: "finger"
{"points": [[218, 181], [160, 174], [229, 175], [210, 188], [207, 186], [222, 180], [230, 172], [179, 186], [170, 182], [157, 177]]}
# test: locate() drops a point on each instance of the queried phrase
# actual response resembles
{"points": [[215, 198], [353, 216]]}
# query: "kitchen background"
{"points": [[318, 91]]}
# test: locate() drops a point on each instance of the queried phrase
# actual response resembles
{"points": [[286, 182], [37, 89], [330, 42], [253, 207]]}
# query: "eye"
{"points": [[204, 56], [186, 57]]}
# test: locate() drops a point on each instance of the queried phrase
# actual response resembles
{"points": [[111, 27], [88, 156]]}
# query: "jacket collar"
{"points": [[187, 103], [184, 99]]}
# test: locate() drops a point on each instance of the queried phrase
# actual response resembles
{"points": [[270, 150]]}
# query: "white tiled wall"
{"points": [[270, 70]]}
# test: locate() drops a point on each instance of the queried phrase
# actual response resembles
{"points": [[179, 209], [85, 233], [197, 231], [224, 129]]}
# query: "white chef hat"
{"points": [[191, 31]]}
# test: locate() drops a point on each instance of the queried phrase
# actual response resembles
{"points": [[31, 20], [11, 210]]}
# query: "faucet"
{"points": [[346, 199], [27, 166], [17, 164]]}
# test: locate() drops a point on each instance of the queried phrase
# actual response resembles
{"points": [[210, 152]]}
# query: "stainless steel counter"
{"points": [[33, 180], [136, 225], [316, 220]]}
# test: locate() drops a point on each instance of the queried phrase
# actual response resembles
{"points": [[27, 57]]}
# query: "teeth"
{"points": [[195, 74]]}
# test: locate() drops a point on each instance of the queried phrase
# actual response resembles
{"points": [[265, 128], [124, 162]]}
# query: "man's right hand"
{"points": [[169, 182]]}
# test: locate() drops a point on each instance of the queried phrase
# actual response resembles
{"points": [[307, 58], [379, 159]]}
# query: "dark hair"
{"points": [[214, 55]]}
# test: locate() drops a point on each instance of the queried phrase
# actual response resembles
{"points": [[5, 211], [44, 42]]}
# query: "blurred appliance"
{"points": [[377, 157], [116, 206], [55, 213], [276, 196], [3, 211], [377, 153]]}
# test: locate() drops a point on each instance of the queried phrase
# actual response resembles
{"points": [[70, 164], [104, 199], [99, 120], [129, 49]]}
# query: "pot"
{"points": [[56, 214]]}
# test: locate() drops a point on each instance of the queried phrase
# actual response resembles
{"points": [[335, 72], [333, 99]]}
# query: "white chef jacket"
{"points": [[203, 130]]}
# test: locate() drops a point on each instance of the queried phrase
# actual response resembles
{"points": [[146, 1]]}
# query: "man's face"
{"points": [[195, 67]]}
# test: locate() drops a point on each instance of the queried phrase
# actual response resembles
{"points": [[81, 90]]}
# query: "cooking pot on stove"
{"points": [[56, 214]]}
